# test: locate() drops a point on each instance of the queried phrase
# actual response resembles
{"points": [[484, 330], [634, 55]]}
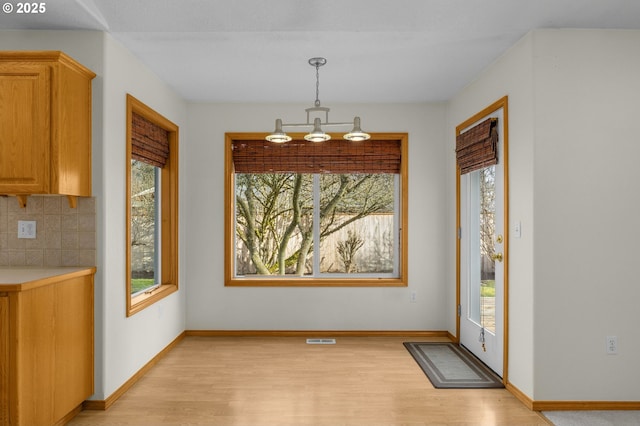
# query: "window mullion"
{"points": [[396, 224], [316, 225], [157, 239]]}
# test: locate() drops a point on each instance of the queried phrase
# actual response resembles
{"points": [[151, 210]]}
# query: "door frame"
{"points": [[501, 103]]}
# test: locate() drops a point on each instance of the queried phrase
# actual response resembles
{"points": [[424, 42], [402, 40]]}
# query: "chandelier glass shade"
{"points": [[317, 134]]}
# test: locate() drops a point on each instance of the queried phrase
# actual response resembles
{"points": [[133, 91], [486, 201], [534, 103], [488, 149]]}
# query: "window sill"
{"points": [[315, 282], [144, 300]]}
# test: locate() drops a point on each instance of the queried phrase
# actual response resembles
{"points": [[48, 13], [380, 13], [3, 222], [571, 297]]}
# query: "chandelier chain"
{"points": [[317, 103]]}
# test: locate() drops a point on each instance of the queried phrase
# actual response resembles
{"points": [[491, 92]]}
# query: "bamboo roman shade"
{"points": [[478, 147], [149, 142], [301, 156]]}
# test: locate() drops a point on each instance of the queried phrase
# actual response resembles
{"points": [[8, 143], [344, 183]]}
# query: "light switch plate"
{"points": [[26, 229]]}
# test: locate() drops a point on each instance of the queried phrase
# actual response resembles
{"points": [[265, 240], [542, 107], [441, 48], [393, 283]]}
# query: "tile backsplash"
{"points": [[64, 236]]}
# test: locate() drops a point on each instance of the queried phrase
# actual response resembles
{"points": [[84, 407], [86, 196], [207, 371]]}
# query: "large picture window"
{"points": [[152, 206], [306, 213]]}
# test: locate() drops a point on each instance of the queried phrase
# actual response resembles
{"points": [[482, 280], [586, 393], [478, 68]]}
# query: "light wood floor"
{"points": [[284, 381]]}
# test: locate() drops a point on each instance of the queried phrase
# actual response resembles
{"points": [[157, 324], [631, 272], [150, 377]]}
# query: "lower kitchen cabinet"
{"points": [[46, 344]]}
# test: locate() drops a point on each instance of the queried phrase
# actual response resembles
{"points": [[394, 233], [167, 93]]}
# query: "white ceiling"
{"points": [[377, 50]]}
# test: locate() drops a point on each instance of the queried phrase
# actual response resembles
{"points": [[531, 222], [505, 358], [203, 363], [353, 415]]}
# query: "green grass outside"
{"points": [[139, 284], [488, 288]]}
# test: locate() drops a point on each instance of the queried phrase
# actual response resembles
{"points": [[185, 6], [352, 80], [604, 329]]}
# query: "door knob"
{"points": [[497, 256]]}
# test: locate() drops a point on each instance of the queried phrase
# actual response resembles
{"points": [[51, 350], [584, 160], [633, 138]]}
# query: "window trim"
{"points": [[229, 227], [168, 212]]}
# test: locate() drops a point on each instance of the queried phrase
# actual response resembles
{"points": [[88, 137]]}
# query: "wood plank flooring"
{"points": [[284, 381]]}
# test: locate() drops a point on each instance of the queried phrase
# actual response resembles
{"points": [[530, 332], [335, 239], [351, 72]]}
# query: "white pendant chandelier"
{"points": [[317, 134]]}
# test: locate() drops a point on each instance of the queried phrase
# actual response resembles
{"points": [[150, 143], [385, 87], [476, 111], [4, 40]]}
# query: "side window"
{"points": [[152, 206], [305, 213]]}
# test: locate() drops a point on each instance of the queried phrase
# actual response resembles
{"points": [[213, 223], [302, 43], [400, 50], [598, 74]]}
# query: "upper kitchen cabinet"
{"points": [[45, 125]]}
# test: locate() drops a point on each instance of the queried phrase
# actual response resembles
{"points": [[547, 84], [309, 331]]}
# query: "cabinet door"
{"points": [[73, 368], [4, 359], [25, 113]]}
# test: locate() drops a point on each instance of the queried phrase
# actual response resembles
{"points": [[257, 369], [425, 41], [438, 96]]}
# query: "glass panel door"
{"points": [[481, 258]]}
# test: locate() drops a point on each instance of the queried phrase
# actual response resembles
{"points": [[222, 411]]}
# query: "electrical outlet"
{"points": [[612, 345], [26, 229], [412, 297]]}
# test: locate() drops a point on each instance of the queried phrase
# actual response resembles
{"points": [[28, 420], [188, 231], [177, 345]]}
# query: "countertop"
{"points": [[25, 278]]}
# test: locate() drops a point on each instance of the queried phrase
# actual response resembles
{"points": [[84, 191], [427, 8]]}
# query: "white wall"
{"points": [[587, 199], [122, 345], [129, 343], [215, 307], [573, 141], [510, 76]]}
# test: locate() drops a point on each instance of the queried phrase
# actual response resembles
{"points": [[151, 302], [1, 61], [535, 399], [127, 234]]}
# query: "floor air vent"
{"points": [[321, 341]]}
